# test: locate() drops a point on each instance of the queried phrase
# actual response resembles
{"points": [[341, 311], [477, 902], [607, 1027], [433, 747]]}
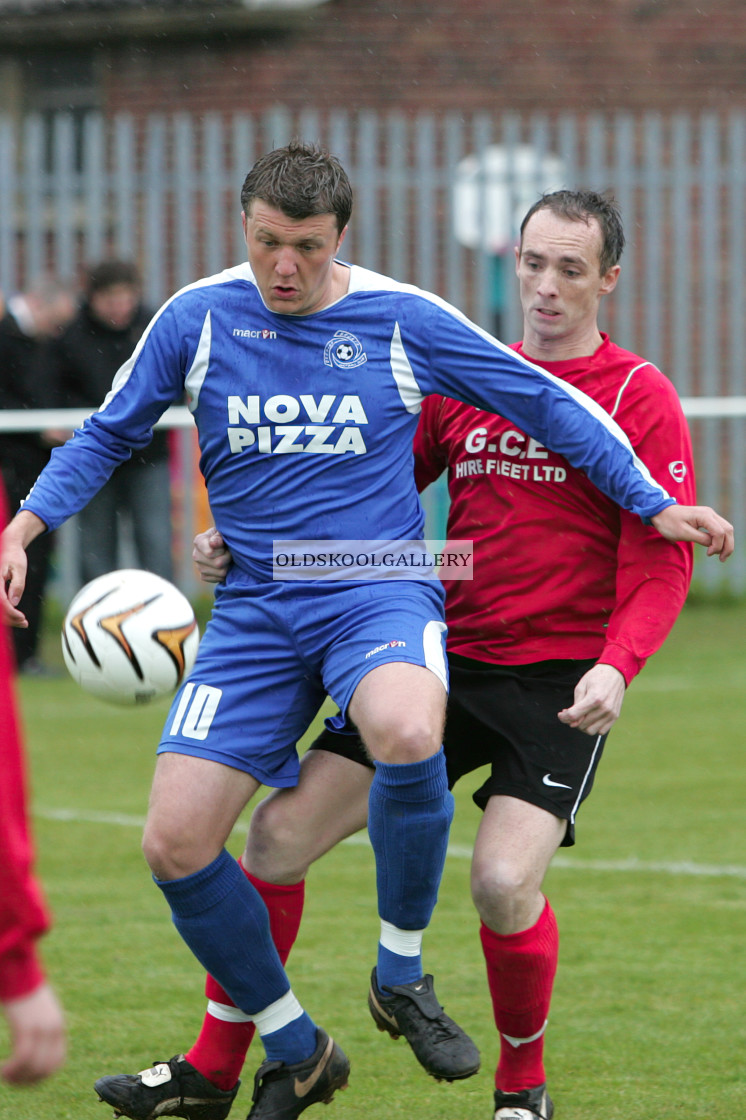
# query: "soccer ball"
{"points": [[129, 636]]}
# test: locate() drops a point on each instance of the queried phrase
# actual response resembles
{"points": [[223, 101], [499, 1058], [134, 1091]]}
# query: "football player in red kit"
{"points": [[570, 596], [34, 1017]]}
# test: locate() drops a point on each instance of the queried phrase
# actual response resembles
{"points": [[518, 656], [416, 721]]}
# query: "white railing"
{"points": [[67, 419]]}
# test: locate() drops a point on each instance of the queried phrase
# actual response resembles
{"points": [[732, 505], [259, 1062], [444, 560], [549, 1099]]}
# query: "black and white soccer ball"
{"points": [[129, 636]]}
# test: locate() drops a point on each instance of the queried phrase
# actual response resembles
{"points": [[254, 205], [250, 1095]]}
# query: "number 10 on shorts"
{"points": [[196, 711]]}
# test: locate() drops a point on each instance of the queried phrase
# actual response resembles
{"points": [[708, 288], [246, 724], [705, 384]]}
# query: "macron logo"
{"points": [[386, 645], [238, 332]]}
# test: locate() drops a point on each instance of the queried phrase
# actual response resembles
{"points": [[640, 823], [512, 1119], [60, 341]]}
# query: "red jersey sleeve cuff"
{"points": [[20, 973], [628, 664]]}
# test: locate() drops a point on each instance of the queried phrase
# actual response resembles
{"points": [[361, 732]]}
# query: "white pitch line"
{"points": [[88, 817], [455, 851]]}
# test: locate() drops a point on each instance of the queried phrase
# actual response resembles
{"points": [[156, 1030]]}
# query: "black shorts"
{"points": [[505, 716]]}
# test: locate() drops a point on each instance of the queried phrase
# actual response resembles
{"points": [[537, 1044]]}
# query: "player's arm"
{"points": [[34, 1017], [15, 539], [652, 574], [653, 577]]}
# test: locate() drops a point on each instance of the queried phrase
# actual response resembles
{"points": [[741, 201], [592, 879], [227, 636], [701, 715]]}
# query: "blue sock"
{"points": [[223, 920], [409, 818], [298, 1037], [392, 968]]}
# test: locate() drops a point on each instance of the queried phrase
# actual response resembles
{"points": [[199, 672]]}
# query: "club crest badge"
{"points": [[344, 351]]}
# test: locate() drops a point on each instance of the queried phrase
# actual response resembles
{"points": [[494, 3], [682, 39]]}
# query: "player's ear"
{"points": [[609, 281], [342, 236]]}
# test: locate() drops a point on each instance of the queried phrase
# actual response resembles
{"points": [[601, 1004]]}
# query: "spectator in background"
{"points": [[33, 1013], [95, 345], [29, 321]]}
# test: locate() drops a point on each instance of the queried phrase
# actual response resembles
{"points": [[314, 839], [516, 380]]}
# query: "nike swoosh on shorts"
{"points": [[548, 782]]}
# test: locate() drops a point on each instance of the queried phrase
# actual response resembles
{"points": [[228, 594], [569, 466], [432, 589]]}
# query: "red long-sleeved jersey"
{"points": [[23, 917], [560, 571]]}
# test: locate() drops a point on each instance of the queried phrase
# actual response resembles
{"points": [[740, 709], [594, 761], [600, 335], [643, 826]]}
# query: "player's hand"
{"points": [[15, 539], [37, 1036], [13, 567], [212, 556], [55, 437], [597, 701], [699, 524]]}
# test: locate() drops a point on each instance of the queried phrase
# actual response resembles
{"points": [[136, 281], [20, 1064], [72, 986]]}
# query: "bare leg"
{"points": [[292, 828], [194, 804], [400, 711], [514, 846]]}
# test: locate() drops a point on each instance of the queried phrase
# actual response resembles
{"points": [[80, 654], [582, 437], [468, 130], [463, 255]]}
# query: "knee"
{"points": [[505, 895], [156, 852], [275, 848], [174, 854], [157, 849], [410, 737]]}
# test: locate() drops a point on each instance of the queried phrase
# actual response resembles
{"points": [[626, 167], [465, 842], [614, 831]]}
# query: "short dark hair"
{"points": [[581, 206], [110, 272], [301, 180]]}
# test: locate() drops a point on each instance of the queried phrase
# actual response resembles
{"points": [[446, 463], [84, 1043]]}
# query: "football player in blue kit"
{"points": [[305, 376]]}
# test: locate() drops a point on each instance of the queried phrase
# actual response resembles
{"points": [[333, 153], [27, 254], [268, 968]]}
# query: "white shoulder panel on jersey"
{"points": [[198, 370], [409, 391]]}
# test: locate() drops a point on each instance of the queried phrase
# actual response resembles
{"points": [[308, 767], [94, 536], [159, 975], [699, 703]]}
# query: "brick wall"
{"points": [[442, 54]]}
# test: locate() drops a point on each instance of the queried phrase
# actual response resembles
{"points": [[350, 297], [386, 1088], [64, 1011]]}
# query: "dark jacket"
{"points": [[88, 355], [26, 381]]}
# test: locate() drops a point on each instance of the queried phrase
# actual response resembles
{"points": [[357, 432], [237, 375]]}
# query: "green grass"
{"points": [[647, 1018]]}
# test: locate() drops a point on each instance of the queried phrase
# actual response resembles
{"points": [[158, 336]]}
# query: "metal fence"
{"points": [[437, 203]]}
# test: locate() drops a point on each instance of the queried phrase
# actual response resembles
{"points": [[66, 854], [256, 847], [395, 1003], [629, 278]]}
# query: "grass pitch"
{"points": [[647, 1019]]}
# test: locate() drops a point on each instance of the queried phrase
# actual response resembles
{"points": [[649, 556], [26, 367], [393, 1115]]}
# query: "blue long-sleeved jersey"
{"points": [[306, 422]]}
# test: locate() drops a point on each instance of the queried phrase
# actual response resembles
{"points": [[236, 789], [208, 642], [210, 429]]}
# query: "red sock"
{"points": [[520, 974], [220, 1050]]}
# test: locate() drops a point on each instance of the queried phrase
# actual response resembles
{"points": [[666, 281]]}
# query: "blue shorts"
{"points": [[272, 652]]}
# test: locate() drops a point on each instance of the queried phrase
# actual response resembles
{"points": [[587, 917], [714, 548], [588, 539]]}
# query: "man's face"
{"points": [[292, 258], [52, 316], [559, 272], [116, 305]]}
